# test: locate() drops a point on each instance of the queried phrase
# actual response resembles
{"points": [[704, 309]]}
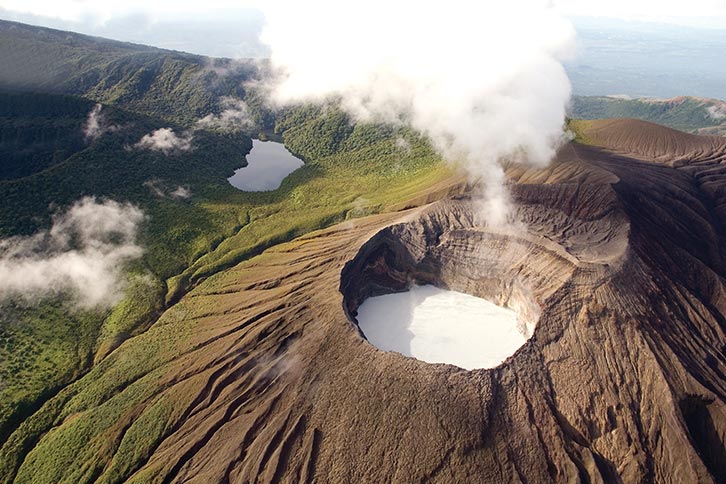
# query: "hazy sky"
{"points": [[679, 11], [695, 13], [230, 27]]}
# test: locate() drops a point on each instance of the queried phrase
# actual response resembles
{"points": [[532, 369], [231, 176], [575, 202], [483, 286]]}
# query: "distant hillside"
{"points": [[166, 84], [706, 116]]}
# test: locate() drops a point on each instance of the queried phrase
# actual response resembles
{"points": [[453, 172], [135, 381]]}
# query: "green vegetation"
{"points": [[683, 113], [41, 346]]}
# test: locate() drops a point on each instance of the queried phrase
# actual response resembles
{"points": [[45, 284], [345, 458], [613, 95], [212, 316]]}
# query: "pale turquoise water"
{"points": [[268, 164], [440, 326]]}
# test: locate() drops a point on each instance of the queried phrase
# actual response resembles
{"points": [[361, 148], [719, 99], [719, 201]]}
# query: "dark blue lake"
{"points": [[267, 165]]}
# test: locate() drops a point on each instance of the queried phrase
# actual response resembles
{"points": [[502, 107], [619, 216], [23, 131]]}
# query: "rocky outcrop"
{"points": [[261, 375]]}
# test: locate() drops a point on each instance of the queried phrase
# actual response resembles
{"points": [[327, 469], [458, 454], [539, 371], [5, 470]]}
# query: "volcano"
{"points": [[262, 373]]}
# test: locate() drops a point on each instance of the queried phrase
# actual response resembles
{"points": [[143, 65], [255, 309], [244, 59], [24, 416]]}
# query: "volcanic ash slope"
{"points": [[261, 375]]}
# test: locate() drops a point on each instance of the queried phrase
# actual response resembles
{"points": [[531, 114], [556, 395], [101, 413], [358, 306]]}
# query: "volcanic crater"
{"points": [[447, 249]]}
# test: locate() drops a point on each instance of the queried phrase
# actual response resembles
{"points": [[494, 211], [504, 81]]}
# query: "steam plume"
{"points": [[483, 80]]}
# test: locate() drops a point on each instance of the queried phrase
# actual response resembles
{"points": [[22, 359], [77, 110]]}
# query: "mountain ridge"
{"points": [[686, 113]]}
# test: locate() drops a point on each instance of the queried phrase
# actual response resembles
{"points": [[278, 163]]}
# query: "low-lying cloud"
{"points": [[234, 116], [159, 188], [483, 80], [181, 193], [81, 255], [717, 111], [96, 124], [166, 141]]}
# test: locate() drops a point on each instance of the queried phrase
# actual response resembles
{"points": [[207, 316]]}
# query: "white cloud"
{"points": [[717, 111], [96, 124], [155, 185], [82, 254], [166, 141], [235, 115], [181, 193], [484, 81], [160, 189]]}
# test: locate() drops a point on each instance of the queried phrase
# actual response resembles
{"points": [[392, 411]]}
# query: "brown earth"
{"points": [[619, 250]]}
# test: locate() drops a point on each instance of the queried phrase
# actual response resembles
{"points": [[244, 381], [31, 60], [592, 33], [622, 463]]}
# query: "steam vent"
{"points": [[617, 263]]}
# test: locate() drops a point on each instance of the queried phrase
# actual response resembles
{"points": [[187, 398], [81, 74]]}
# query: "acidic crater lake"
{"points": [[441, 326], [267, 165]]}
